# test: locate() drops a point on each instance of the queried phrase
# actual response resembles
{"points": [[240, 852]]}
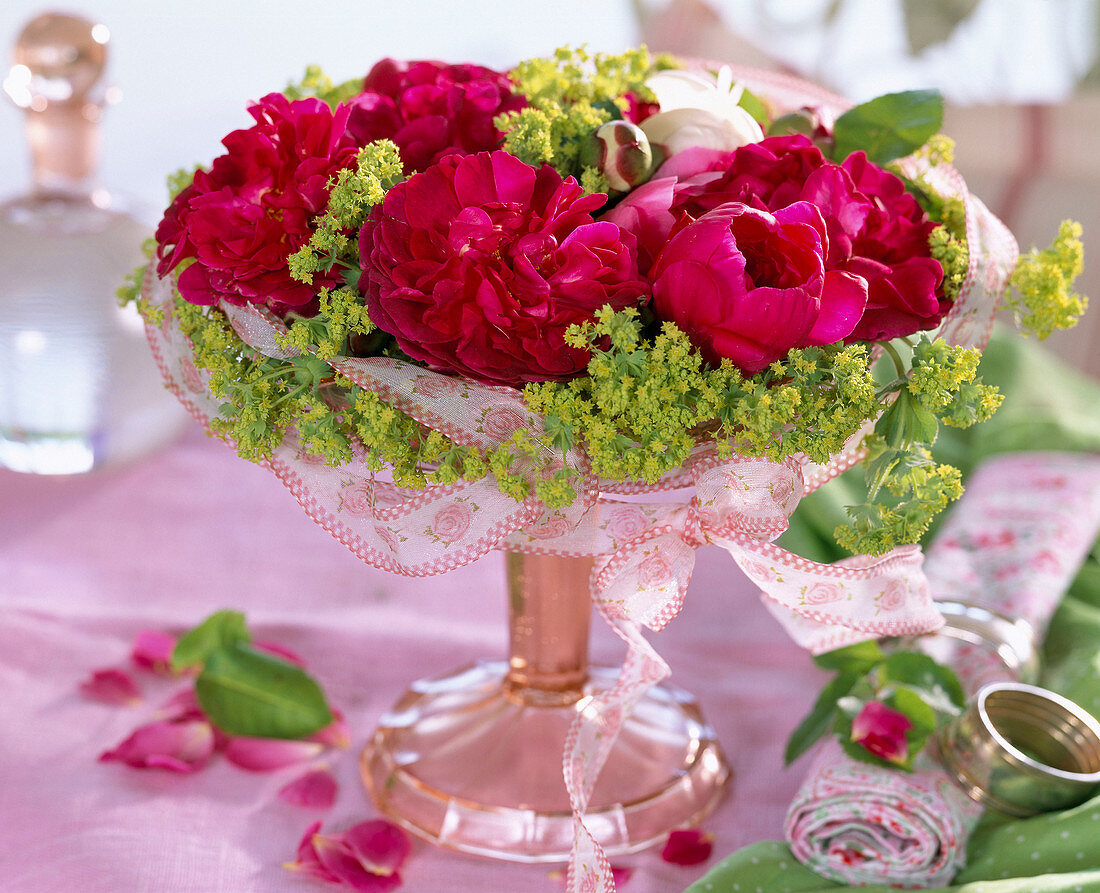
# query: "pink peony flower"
{"points": [[431, 110], [479, 264], [880, 730], [688, 846], [876, 229], [112, 686], [175, 746], [242, 218], [748, 285]]}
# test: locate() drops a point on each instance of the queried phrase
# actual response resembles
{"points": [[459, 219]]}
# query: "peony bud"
{"points": [[621, 152]]}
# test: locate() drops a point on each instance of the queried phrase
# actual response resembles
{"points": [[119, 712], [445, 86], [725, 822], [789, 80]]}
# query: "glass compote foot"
{"points": [[472, 760]]}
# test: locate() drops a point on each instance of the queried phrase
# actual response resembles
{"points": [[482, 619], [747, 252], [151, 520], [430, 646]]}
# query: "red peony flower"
{"points": [[876, 229], [430, 109], [880, 730], [479, 264], [749, 285], [242, 219]]}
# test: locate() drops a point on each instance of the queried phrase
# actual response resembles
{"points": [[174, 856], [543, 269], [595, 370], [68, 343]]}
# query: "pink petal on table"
{"points": [[182, 705], [337, 857], [153, 651], [335, 734], [314, 790], [175, 746], [620, 874], [688, 846], [379, 845], [274, 648], [269, 754], [111, 686], [308, 863]]}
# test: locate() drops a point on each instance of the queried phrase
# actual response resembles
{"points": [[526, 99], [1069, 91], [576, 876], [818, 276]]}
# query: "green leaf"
{"points": [[754, 105], [820, 718], [935, 684], [220, 629], [860, 658], [890, 126], [907, 422], [246, 692]]}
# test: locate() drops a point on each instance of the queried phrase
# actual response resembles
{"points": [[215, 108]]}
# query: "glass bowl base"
{"points": [[465, 762]]}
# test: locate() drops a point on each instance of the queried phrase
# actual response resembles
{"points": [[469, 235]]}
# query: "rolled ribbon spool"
{"points": [[1022, 750]]}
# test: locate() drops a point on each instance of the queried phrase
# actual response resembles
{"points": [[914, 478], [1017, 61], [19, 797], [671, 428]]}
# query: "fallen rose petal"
{"points": [[269, 754], [277, 650], [688, 846], [335, 734], [153, 651], [182, 705], [379, 845], [314, 790], [174, 746], [111, 686], [308, 863], [337, 857], [620, 874]]}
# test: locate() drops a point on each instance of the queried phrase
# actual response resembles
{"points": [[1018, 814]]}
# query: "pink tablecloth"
{"points": [[86, 562]]}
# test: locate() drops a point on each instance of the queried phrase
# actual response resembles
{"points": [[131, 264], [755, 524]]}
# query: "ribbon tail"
{"points": [[826, 606]]}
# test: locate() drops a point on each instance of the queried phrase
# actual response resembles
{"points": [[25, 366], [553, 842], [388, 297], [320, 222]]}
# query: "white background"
{"points": [[187, 69]]}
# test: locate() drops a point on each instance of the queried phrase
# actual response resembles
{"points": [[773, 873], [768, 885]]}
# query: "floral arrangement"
{"points": [[511, 295], [648, 252]]}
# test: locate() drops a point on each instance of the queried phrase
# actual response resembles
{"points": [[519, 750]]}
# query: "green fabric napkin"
{"points": [[1047, 407]]}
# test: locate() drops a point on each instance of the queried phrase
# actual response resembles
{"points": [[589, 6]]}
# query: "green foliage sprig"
{"points": [[927, 693], [314, 82]]}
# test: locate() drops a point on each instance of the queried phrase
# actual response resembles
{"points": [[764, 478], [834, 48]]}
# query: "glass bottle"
{"points": [[78, 386]]}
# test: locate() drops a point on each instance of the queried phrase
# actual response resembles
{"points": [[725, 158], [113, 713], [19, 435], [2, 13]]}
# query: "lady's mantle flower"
{"points": [[254, 207], [880, 730], [479, 264]]}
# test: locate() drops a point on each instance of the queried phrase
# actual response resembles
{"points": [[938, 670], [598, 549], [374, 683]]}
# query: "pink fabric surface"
{"points": [[87, 562]]}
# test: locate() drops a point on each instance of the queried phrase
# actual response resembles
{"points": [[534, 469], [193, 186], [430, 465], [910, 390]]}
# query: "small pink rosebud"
{"points": [[112, 686], [269, 754], [174, 746], [880, 730], [314, 790], [688, 846], [153, 651], [621, 152]]}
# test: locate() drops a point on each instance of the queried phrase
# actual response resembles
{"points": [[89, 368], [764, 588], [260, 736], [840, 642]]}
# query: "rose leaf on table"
{"points": [[314, 790], [366, 857], [882, 707], [251, 690], [112, 686], [252, 701], [688, 846]]}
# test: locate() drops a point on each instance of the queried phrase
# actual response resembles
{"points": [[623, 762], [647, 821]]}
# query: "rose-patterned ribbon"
{"points": [[644, 550], [1012, 544]]}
